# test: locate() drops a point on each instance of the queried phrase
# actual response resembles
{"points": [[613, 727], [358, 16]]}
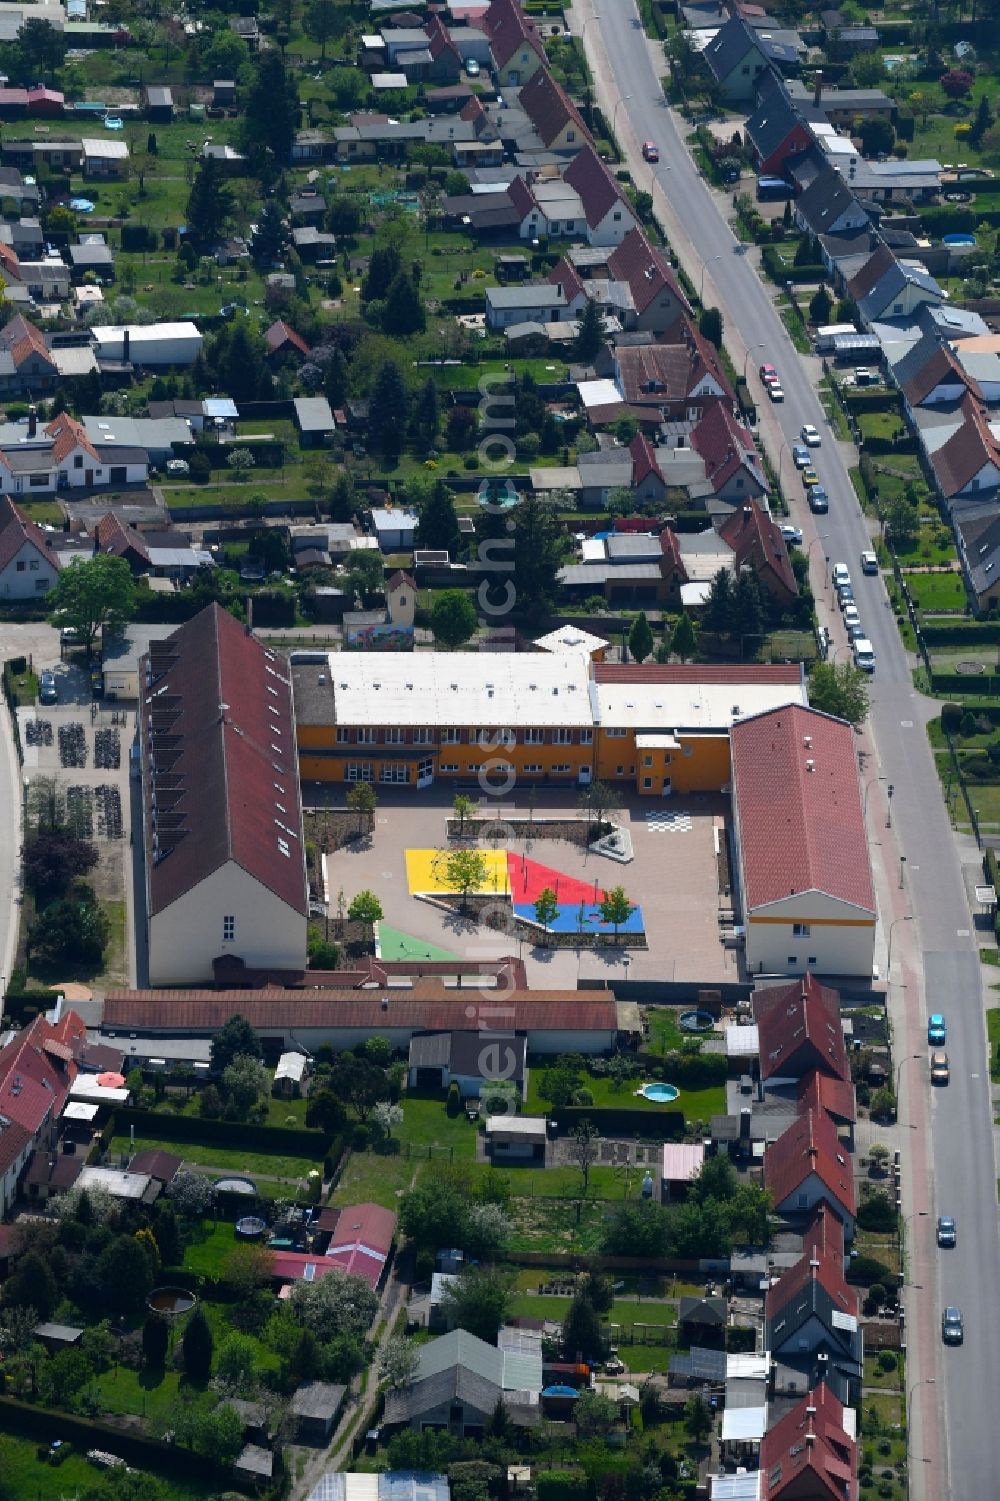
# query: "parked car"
{"points": [[47, 693], [809, 476], [800, 456], [851, 616], [768, 374], [775, 392], [940, 1072], [810, 435], [650, 151], [819, 501], [952, 1330], [841, 574], [856, 632], [792, 534], [869, 562], [947, 1231], [845, 594], [937, 1032], [471, 68], [864, 654]]}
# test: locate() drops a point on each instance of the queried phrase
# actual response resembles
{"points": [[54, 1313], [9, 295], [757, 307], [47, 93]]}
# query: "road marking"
{"points": [[906, 724], [961, 932], [973, 1076]]}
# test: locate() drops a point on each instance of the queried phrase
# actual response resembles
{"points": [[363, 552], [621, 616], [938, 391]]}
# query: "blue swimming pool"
{"points": [[660, 1094]]}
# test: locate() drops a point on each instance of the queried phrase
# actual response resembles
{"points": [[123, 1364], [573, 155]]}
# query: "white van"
{"points": [[841, 574], [864, 654]]}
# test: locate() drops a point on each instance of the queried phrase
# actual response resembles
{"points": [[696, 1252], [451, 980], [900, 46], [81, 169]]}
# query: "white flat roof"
{"points": [[115, 1181], [656, 742], [682, 1161], [742, 1042], [701, 706], [76, 1110], [739, 1487], [744, 1424], [517, 1125], [86, 1087], [571, 638], [460, 688], [748, 1367], [144, 333], [104, 147], [599, 393]]}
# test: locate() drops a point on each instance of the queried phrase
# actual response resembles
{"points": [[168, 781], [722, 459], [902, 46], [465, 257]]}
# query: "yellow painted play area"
{"points": [[427, 872]]}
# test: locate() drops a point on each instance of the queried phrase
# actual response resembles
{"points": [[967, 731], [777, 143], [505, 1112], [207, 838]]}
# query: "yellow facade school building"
{"points": [[413, 719]]}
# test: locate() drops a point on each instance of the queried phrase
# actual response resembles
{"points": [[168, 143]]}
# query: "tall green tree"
{"points": [[438, 524], [477, 1300], [196, 1346], [320, 23], [404, 311], [840, 689], [748, 606], [271, 235], [210, 203], [615, 907], [718, 615], [682, 642], [384, 266], [93, 595], [387, 407], [640, 638], [426, 419], [539, 547], [41, 46], [272, 113], [590, 333], [362, 800], [234, 1039], [453, 618]]}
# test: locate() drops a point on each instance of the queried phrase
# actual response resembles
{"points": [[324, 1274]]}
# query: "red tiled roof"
{"points": [[224, 754], [158, 1164], [824, 1235], [14, 1140], [508, 27], [871, 273], [670, 547], [361, 1241], [798, 809], [16, 530], [550, 109], [291, 1266], [808, 1452], [967, 451], [11, 264], [473, 110], [398, 580], [941, 368], [281, 333], [644, 462], [697, 672], [819, 1091], [799, 1030], [113, 536], [35, 1082], [23, 339], [427, 1008], [727, 447], [522, 197], [598, 190], [809, 1146], [653, 374], [646, 270], [756, 540], [66, 434], [440, 40], [565, 275]]}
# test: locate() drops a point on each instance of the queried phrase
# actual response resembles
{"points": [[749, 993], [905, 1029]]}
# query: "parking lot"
{"points": [[674, 877]]}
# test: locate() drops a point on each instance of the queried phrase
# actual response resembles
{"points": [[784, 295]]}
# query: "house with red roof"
{"points": [[225, 861], [657, 297], [556, 119], [446, 64], [514, 42], [680, 379], [807, 1165], [606, 209], [757, 543], [37, 1070], [114, 536], [812, 1329], [800, 845], [808, 1455], [967, 466], [284, 344], [799, 1031], [648, 482], [29, 564], [31, 364], [360, 1240], [732, 463]]}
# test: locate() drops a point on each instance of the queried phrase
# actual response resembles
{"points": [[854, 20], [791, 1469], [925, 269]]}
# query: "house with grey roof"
{"points": [[458, 1382], [829, 207], [890, 288], [539, 302], [740, 54], [978, 538], [314, 420]]}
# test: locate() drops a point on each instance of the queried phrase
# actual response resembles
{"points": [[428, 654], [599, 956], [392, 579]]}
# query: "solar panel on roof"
{"points": [[702, 1364]]}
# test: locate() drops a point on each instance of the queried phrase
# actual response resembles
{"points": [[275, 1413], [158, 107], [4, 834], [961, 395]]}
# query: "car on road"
{"points": [[841, 574], [864, 654], [940, 1072], [792, 534], [952, 1330], [775, 392], [851, 616], [650, 151], [819, 501], [869, 562], [947, 1231], [47, 688], [768, 375], [856, 632], [810, 435], [937, 1032], [809, 476], [800, 456], [471, 68]]}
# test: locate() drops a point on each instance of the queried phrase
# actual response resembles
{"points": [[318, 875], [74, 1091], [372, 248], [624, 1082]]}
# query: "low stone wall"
{"points": [[575, 830]]}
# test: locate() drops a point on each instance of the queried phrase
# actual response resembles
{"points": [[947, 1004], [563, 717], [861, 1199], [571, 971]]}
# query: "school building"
{"points": [[416, 718]]}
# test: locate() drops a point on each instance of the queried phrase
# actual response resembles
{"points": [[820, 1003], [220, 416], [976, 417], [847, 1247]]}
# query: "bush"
{"points": [[876, 1213], [867, 1270], [967, 725], [200, 466], [951, 718], [887, 1360], [454, 1102]]}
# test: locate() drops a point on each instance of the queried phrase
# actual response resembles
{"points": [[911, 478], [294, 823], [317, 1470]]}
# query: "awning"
{"points": [[656, 742], [76, 1110]]}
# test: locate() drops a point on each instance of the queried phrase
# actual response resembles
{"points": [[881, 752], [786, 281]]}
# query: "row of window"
{"points": [[486, 738]]}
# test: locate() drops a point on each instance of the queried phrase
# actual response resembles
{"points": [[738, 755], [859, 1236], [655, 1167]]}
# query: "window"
{"points": [[33, 566], [394, 737], [647, 781], [534, 737], [422, 737], [811, 960], [532, 768], [358, 771], [448, 766], [425, 769], [228, 929], [343, 735], [38, 481], [745, 70], [619, 771], [616, 734], [801, 930], [41, 585], [617, 215], [562, 737], [78, 461], [586, 737], [366, 737], [394, 774], [562, 767], [21, 567], [450, 737], [647, 761], [571, 135]]}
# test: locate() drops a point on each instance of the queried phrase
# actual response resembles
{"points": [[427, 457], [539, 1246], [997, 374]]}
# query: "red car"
{"points": [[651, 151], [768, 375]]}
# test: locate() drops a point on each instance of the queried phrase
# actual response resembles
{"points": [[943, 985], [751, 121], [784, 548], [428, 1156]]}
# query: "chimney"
{"points": [[32, 420], [125, 344], [818, 86]]}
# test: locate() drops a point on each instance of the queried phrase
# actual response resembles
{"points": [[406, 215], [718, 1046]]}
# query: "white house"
{"points": [[538, 302], [224, 851], [148, 344], [28, 563], [803, 872], [395, 528]]}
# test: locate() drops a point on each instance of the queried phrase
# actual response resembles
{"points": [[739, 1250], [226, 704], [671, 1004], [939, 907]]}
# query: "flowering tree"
{"points": [[956, 83]]}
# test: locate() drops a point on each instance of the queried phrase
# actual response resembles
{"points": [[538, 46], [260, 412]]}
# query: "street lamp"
{"points": [[622, 99], [902, 868], [747, 356], [868, 787], [701, 285], [910, 1058], [907, 917], [927, 1381], [918, 1214]]}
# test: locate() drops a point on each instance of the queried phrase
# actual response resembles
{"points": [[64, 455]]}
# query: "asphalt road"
{"points": [[954, 1126]]}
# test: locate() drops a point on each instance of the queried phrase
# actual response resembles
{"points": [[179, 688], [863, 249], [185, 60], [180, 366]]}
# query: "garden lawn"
{"points": [[993, 1035], [937, 591], [29, 1479], [227, 1159], [426, 1123], [208, 1246], [381, 1180], [152, 1395]]}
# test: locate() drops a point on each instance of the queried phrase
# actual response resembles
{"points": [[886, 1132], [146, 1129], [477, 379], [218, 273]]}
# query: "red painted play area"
{"points": [[528, 879]]}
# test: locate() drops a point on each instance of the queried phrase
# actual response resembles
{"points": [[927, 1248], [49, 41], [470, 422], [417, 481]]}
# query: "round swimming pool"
{"points": [[697, 1021], [171, 1301], [659, 1093], [244, 1186], [958, 239]]}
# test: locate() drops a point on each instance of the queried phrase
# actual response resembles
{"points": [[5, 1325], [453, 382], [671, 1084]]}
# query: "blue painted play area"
{"points": [[571, 917]]}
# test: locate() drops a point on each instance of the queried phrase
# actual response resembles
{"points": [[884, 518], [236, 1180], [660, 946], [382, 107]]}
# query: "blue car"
{"points": [[937, 1032]]}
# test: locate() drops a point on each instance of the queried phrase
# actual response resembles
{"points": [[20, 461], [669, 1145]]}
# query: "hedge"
{"points": [[21, 1005], [40, 1423], [236, 1135], [696, 1070], [961, 682], [659, 1125], [870, 401], [970, 633], [558, 1485], [778, 271]]}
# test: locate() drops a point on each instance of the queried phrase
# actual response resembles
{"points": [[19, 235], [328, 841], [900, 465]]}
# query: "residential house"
{"points": [[82, 464], [978, 538], [931, 375], [555, 118], [360, 1240], [37, 1070], [94, 257], [827, 206], [806, 885], [807, 1165], [538, 302], [646, 481], [739, 55], [395, 528], [843, 107], [606, 210], [809, 1452], [30, 366], [29, 565], [225, 866], [703, 1321], [967, 466], [734, 470], [628, 568], [757, 543], [657, 299], [515, 45], [312, 244], [886, 287], [467, 1059], [446, 61], [778, 129], [799, 1031], [675, 380], [458, 1382]]}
